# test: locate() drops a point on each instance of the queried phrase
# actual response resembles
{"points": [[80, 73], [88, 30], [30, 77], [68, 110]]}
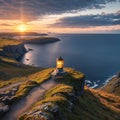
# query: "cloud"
{"points": [[89, 20], [32, 9]]}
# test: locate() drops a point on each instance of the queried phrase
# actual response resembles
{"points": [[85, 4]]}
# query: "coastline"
{"points": [[18, 50], [59, 100]]}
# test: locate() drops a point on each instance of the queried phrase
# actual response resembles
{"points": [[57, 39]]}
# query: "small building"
{"points": [[59, 64], [59, 67]]}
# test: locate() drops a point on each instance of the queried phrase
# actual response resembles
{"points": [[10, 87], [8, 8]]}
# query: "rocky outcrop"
{"points": [[47, 111], [6, 97], [13, 51]]}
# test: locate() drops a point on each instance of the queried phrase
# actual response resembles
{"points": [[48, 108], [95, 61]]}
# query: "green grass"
{"points": [[60, 88], [41, 76], [55, 99], [59, 95], [93, 106], [24, 89]]}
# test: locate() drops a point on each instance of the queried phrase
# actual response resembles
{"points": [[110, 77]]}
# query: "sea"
{"points": [[96, 55]]}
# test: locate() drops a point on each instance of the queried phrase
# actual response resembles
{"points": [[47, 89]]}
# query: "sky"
{"points": [[61, 16]]}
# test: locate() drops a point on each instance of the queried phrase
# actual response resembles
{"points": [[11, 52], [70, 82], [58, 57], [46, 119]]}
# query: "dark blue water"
{"points": [[97, 55]]}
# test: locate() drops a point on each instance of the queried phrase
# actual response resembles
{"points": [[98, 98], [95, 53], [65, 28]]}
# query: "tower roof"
{"points": [[60, 58]]}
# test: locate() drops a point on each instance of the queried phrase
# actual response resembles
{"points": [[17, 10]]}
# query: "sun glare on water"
{"points": [[22, 28]]}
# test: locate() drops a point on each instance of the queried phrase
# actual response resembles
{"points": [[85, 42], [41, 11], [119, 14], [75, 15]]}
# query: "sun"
{"points": [[22, 27]]}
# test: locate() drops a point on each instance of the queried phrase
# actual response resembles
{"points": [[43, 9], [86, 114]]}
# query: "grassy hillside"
{"points": [[94, 105], [12, 72], [113, 86]]}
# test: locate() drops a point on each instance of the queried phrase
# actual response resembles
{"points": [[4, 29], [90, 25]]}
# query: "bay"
{"points": [[96, 55]]}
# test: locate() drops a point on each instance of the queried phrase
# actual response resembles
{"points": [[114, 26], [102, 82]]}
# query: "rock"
{"points": [[44, 111], [3, 108], [39, 114], [8, 95], [6, 99]]}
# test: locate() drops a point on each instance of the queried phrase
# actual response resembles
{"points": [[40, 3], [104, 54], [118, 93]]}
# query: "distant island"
{"points": [[11, 35], [40, 40]]}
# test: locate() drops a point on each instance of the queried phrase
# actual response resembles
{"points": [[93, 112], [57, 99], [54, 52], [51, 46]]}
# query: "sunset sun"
{"points": [[22, 28]]}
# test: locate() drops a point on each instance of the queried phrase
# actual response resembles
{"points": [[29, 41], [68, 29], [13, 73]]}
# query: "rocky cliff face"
{"points": [[13, 51]]}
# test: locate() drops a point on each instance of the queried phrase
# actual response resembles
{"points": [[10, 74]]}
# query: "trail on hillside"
{"points": [[25, 103]]}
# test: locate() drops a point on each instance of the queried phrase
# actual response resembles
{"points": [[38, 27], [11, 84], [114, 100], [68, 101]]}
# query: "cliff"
{"points": [[13, 51], [64, 102], [113, 86]]}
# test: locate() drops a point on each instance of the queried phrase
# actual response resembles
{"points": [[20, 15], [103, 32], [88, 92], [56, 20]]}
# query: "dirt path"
{"points": [[25, 103]]}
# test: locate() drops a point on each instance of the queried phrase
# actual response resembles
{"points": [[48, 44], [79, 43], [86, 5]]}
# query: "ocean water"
{"points": [[96, 55]]}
